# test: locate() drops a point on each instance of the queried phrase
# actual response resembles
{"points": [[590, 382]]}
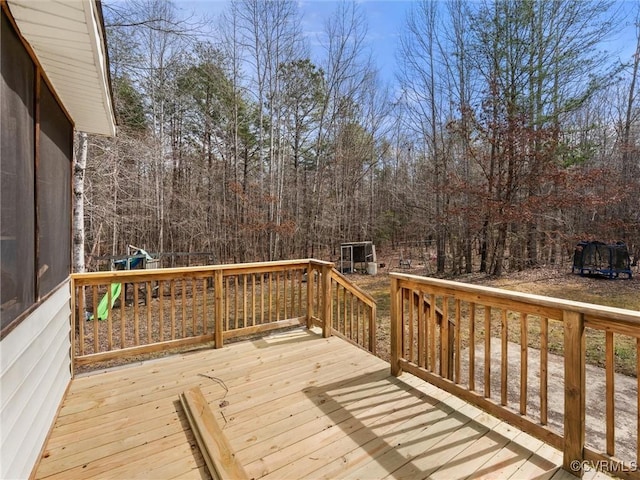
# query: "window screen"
{"points": [[17, 215], [54, 194]]}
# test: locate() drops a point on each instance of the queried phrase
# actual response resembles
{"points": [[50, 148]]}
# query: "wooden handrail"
{"points": [[535, 303], [353, 288], [487, 313]]}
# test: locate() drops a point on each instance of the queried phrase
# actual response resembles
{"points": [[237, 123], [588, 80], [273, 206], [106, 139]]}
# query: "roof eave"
{"points": [[68, 39]]}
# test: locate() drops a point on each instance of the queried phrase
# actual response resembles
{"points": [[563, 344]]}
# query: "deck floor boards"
{"points": [[292, 406]]}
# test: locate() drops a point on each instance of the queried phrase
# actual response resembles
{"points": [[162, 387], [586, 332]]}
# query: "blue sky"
{"points": [[385, 19]]}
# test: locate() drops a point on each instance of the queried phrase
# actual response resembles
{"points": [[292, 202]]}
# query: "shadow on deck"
{"points": [[292, 405]]}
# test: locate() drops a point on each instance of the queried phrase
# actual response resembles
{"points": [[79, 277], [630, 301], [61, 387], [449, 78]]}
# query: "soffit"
{"points": [[67, 37]]}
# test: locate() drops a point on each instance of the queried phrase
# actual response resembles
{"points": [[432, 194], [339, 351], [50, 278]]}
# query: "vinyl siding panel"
{"points": [[35, 361]]}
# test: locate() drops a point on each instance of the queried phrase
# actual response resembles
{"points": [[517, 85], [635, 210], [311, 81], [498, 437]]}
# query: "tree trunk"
{"points": [[79, 166]]}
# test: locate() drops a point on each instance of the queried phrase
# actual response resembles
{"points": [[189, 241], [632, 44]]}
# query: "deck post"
{"points": [[396, 328], [574, 397], [326, 301], [219, 307]]}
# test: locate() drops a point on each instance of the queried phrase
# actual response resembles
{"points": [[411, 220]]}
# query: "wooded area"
{"points": [[508, 135]]}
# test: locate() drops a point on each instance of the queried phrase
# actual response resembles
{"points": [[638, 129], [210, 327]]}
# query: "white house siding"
{"points": [[35, 362]]}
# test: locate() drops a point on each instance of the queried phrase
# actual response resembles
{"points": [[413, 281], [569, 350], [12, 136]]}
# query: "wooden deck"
{"points": [[292, 406]]}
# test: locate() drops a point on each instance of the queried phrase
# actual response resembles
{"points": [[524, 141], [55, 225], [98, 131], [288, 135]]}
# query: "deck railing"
{"points": [[565, 372], [353, 314], [135, 312]]}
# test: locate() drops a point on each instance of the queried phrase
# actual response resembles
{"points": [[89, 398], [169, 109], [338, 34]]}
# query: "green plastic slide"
{"points": [[103, 306]]}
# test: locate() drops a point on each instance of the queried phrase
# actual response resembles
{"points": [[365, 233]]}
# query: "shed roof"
{"points": [[67, 36]]}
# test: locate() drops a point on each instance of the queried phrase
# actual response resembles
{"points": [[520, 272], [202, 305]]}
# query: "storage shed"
{"points": [[358, 256]]}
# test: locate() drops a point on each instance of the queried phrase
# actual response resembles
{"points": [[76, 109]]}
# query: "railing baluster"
{"points": [[80, 317], [544, 369], [194, 293], [504, 365], [172, 292], [610, 390], [245, 316], [184, 307], [342, 307], [161, 310], [204, 306], [318, 290], [361, 337], [96, 348], [278, 298], [218, 287], [404, 295], [351, 335], [295, 298], [422, 341], [472, 346], [411, 306], [299, 280], [310, 285], [253, 299], [109, 324], [425, 309], [444, 340], [262, 291], [236, 301], [338, 309], [123, 315], [285, 279], [270, 285], [136, 315], [432, 332], [524, 365], [457, 341], [227, 304], [372, 328], [487, 351], [148, 306]]}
